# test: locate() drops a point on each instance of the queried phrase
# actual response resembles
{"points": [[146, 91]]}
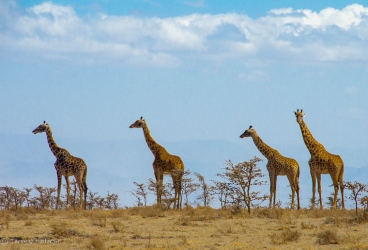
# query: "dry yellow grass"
{"points": [[199, 228]]}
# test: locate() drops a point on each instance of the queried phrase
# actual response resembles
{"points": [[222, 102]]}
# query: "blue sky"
{"points": [[195, 70], [192, 75], [173, 8]]}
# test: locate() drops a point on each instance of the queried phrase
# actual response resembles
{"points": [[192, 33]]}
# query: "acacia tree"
{"points": [[330, 200], [166, 191], [111, 201], [223, 192], [45, 198], [241, 178], [205, 195], [188, 186], [140, 193], [356, 191], [364, 203]]}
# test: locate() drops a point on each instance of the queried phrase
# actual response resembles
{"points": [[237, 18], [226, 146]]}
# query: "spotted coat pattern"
{"points": [[66, 165], [277, 165], [164, 163], [322, 162]]}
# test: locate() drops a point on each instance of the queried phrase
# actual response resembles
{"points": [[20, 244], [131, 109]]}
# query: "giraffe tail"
{"points": [[85, 181], [85, 188], [298, 174]]}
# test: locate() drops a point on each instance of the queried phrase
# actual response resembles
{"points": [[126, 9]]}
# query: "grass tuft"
{"points": [[327, 237], [96, 243], [286, 236], [118, 226], [62, 229]]}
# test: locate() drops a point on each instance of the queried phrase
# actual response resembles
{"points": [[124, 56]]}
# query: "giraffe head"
{"points": [[248, 133], [42, 128], [299, 116], [141, 123]]}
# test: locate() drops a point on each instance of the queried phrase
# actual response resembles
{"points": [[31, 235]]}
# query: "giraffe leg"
{"points": [[180, 189], [80, 185], [292, 186], [59, 189], [271, 188], [336, 191], [159, 182], [313, 175], [274, 190], [67, 190], [297, 188], [177, 177], [176, 196], [341, 183], [85, 188], [78, 179], [319, 181], [335, 184]]}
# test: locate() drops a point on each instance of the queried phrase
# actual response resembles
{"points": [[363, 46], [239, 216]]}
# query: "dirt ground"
{"points": [[190, 228]]}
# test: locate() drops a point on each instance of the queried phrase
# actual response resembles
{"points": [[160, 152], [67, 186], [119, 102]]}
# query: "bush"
{"points": [[61, 230], [327, 237], [286, 236]]}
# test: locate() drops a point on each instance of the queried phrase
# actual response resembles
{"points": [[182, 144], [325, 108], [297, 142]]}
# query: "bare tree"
{"points": [[111, 201], [364, 203], [5, 197], [356, 191], [92, 199], [241, 178], [74, 198], [223, 192], [330, 199], [166, 191], [205, 195], [18, 197], [168, 194], [188, 186], [140, 193], [154, 187], [45, 198], [27, 195]]}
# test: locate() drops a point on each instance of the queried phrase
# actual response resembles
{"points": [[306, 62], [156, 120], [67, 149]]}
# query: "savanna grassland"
{"points": [[190, 228]]}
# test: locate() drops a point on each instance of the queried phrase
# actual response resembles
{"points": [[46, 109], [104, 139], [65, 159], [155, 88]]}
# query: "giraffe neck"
{"points": [[311, 143], [266, 150], [55, 149], [151, 143]]}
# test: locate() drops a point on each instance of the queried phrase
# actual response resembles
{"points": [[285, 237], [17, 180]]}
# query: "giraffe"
{"points": [[164, 163], [66, 165], [277, 165], [322, 162]]}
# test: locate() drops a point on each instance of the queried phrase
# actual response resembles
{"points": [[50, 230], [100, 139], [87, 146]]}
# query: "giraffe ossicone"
{"points": [[66, 165]]}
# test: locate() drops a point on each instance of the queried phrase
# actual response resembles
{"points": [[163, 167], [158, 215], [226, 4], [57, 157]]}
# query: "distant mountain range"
{"points": [[114, 165]]}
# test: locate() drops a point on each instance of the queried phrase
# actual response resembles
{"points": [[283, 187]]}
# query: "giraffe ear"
{"points": [[294, 112]]}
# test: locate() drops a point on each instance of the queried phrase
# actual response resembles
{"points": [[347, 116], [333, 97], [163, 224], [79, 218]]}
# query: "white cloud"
{"points": [[54, 31]]}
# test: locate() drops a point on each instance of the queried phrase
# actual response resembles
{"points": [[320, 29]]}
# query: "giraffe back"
{"points": [[283, 165], [167, 162], [69, 165]]}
